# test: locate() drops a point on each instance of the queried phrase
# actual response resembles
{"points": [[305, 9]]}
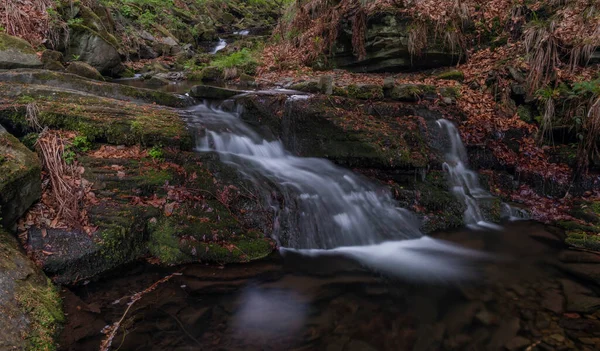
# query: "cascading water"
{"points": [[331, 210], [463, 181], [220, 46]]}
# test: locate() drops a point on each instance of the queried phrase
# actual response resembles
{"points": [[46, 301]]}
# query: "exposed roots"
{"points": [[67, 188]]}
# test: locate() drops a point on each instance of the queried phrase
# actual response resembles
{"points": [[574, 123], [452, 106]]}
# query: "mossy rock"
{"points": [[311, 86], [17, 53], [20, 178], [85, 85], [211, 74], [84, 70], [452, 75], [365, 91], [525, 114], [99, 119], [30, 305], [411, 92], [583, 240]]}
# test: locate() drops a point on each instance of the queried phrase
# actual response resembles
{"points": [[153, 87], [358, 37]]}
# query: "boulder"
{"points": [[30, 305], [53, 60], [84, 70], [210, 92], [387, 48], [17, 53], [20, 178], [88, 46], [157, 81]]}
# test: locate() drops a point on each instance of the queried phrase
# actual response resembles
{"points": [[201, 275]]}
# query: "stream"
{"points": [[353, 271]]}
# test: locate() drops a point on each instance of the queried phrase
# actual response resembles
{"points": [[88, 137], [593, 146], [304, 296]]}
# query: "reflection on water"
{"points": [[329, 301]]}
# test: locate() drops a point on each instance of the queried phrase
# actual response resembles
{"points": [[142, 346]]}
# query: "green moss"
{"points": [[365, 91], [524, 113], [164, 243], [44, 306], [307, 87], [8, 42], [452, 75], [583, 240], [451, 92], [152, 179], [576, 226]]}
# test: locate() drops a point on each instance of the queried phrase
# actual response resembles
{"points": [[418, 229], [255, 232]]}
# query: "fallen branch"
{"points": [[111, 330]]}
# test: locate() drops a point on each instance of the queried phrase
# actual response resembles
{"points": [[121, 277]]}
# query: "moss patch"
{"points": [[44, 306]]}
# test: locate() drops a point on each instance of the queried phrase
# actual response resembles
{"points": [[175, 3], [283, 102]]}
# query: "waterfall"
{"points": [[330, 210], [220, 46], [464, 182]]}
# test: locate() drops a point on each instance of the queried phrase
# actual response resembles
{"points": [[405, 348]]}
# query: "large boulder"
{"points": [[17, 53], [20, 178], [387, 48], [30, 306], [90, 47]]}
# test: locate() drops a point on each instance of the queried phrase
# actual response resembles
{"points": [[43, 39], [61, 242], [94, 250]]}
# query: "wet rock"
{"points": [[20, 178], [29, 303], [17, 53], [53, 60], [84, 70], [505, 333], [576, 256], [587, 271], [410, 92], [311, 86], [553, 300], [485, 317], [211, 92], [211, 74], [579, 298], [518, 343], [157, 81], [461, 316]]}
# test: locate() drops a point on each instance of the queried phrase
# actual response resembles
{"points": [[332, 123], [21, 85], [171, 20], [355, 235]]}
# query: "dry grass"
{"points": [[541, 46], [588, 148], [27, 19]]}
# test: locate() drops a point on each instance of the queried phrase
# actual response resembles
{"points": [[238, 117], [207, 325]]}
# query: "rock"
{"points": [[518, 343], [579, 298], [51, 55], [84, 70], [451, 75], [49, 81], [516, 75], [587, 271], [211, 74], [17, 53], [505, 333], [485, 317], [247, 80], [359, 345], [146, 36], [553, 300], [311, 86], [410, 92], [20, 180], [365, 91], [387, 48], [30, 305], [53, 60], [576, 256], [88, 46], [145, 52], [210, 92], [156, 81], [326, 84]]}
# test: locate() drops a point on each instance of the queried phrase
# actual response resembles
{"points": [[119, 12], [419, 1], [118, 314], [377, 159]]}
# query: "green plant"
{"points": [[81, 143], [69, 156], [156, 152], [75, 21], [76, 57]]}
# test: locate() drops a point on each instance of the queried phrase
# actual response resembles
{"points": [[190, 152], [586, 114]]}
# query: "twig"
{"points": [[111, 330]]}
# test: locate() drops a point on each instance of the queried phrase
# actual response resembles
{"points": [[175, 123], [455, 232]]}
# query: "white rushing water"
{"points": [[464, 182], [220, 46], [242, 32], [329, 209]]}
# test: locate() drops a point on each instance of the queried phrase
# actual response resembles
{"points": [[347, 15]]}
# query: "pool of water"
{"points": [[298, 302]]}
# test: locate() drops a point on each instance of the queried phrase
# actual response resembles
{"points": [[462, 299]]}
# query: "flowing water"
{"points": [[464, 182], [220, 46], [356, 273]]}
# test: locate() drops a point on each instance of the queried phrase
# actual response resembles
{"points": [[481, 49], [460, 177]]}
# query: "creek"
{"points": [[353, 271]]}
